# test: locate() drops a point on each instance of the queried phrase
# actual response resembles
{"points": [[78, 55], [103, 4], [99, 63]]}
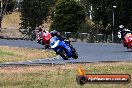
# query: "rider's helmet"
{"points": [[40, 28], [53, 33], [121, 27]]}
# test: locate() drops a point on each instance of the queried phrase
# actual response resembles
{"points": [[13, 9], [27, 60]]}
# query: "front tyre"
{"points": [[47, 46], [39, 41], [63, 54]]}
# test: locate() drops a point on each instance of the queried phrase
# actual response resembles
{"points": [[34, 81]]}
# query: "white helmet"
{"points": [[121, 26]]}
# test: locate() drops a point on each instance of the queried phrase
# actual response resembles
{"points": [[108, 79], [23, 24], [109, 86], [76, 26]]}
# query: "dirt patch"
{"points": [[11, 24], [11, 33], [11, 21]]}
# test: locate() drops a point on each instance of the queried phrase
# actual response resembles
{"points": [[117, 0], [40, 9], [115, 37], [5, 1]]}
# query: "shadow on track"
{"points": [[128, 50]]}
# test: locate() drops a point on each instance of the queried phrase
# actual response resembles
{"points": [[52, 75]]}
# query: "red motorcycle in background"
{"points": [[126, 35], [43, 38], [46, 39], [128, 41]]}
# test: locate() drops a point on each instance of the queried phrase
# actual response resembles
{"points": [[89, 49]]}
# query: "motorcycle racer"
{"points": [[57, 37], [126, 35], [43, 36], [57, 34]]}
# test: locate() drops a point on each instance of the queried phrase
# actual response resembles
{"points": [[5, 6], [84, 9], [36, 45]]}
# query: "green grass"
{"points": [[13, 54], [59, 76], [6, 54]]}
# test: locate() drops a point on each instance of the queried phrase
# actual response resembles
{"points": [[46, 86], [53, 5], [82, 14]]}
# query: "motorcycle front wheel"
{"points": [[63, 54], [47, 46]]}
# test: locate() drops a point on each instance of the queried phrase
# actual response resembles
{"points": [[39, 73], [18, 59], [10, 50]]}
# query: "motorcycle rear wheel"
{"points": [[75, 56]]}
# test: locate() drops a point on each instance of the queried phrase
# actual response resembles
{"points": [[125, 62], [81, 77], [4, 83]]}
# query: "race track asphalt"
{"points": [[88, 52]]}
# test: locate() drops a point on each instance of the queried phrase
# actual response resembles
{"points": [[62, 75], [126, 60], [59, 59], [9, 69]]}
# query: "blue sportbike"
{"points": [[63, 48]]}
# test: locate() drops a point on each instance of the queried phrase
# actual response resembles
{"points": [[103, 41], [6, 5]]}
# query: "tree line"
{"points": [[77, 15]]}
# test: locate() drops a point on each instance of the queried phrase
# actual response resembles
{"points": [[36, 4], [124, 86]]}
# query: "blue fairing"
{"points": [[60, 45]]}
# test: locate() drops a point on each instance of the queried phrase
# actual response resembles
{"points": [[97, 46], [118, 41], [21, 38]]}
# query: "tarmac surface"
{"points": [[88, 52]]}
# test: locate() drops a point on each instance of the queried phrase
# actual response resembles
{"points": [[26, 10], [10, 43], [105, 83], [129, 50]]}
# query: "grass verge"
{"points": [[12, 54], [60, 76]]}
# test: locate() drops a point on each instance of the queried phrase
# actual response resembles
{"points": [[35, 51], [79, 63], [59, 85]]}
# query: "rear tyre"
{"points": [[75, 55]]}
